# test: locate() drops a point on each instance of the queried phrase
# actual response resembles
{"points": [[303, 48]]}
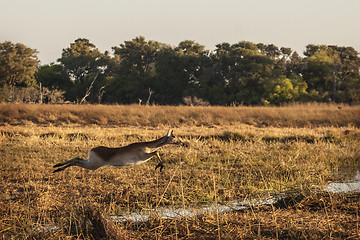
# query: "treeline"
{"points": [[150, 72]]}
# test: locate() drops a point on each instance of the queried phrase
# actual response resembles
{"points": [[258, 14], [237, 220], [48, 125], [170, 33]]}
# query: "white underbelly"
{"points": [[134, 163], [126, 161]]}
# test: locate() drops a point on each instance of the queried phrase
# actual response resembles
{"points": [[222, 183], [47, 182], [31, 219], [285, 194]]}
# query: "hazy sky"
{"points": [[49, 26]]}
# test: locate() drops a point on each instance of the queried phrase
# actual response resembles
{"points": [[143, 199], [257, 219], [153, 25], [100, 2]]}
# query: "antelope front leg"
{"points": [[160, 165]]}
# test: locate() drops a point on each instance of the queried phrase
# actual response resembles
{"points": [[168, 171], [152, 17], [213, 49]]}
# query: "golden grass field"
{"points": [[230, 153]]}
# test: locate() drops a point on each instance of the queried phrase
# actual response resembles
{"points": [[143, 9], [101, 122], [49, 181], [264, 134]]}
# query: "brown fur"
{"points": [[107, 153]]}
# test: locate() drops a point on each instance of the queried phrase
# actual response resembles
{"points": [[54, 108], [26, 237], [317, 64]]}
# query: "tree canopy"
{"points": [[141, 70], [18, 64]]}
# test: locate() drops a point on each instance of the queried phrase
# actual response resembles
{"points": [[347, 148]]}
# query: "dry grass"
{"points": [[314, 217], [300, 115], [226, 158]]}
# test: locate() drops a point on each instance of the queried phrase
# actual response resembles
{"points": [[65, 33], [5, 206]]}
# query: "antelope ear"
{"points": [[169, 134]]}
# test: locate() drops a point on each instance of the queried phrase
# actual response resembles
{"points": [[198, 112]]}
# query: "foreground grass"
{"points": [[221, 162]]}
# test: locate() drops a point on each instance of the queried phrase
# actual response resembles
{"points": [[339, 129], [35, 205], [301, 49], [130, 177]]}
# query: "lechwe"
{"points": [[133, 154]]}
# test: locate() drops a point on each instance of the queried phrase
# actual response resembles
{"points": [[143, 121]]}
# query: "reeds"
{"points": [[299, 115]]}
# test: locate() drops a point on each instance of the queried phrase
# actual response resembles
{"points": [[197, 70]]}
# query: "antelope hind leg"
{"points": [[64, 165]]}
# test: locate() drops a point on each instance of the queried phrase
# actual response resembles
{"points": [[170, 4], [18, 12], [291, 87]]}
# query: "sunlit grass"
{"points": [[299, 115], [222, 161]]}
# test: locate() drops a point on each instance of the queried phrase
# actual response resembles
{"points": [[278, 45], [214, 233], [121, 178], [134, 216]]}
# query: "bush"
{"points": [[30, 94]]}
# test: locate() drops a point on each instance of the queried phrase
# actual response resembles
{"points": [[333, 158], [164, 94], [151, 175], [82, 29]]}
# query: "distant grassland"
{"points": [[231, 153], [299, 115]]}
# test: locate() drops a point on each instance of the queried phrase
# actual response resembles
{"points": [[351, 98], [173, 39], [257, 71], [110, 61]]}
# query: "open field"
{"points": [[299, 115], [231, 153]]}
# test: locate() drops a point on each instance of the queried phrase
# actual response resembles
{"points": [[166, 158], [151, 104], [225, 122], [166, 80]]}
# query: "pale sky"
{"points": [[49, 26]]}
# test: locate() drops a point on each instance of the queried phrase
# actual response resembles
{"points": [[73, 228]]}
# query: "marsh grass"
{"points": [[298, 115], [221, 161]]}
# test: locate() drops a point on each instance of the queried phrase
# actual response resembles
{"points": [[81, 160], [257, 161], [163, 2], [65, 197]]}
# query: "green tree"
{"points": [[295, 65], [286, 61], [283, 89], [170, 82], [243, 69], [269, 50], [137, 59], [333, 72], [193, 57], [18, 64], [346, 75], [82, 62], [52, 76], [319, 68], [179, 71], [216, 74]]}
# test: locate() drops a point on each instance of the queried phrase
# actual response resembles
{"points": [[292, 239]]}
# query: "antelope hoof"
{"points": [[160, 165]]}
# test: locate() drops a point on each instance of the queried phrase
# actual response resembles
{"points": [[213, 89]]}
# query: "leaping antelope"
{"points": [[130, 155]]}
